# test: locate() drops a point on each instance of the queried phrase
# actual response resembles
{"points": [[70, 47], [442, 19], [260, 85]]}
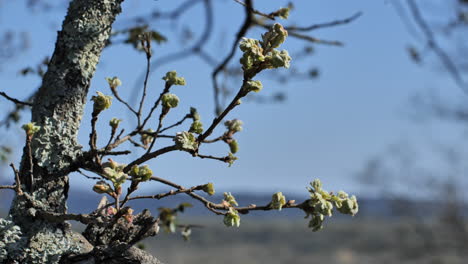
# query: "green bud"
{"points": [[194, 114], [278, 59], [230, 159], [283, 12], [234, 125], [170, 100], [114, 165], [196, 127], [114, 82], [316, 223], [209, 188], [101, 102], [140, 173], [102, 187], [349, 206], [252, 86], [145, 173], [114, 123], [274, 37], [278, 200], [31, 128], [186, 141], [232, 218], [316, 184], [253, 53], [229, 198], [172, 79], [234, 146]]}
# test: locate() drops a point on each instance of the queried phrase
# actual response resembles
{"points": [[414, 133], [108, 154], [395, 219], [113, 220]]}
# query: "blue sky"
{"points": [[328, 128]]}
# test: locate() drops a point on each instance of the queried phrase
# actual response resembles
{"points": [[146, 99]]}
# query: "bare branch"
{"points": [[16, 101]]}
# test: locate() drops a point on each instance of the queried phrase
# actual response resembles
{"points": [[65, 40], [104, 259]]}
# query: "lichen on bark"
{"points": [[58, 109]]}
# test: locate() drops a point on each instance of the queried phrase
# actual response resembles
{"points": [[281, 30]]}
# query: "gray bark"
{"points": [[58, 109]]}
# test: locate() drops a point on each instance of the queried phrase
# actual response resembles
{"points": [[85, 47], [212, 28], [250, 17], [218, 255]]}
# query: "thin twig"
{"points": [[241, 33], [17, 180], [14, 100], [432, 43], [174, 125], [326, 25]]}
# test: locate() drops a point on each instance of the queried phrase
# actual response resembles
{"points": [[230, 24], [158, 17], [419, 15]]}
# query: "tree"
{"points": [[37, 231]]}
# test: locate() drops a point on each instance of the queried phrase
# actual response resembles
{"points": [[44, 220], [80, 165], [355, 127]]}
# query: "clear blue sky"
{"points": [[328, 128]]}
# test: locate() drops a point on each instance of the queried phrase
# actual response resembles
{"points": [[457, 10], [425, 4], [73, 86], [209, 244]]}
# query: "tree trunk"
{"points": [[58, 109]]}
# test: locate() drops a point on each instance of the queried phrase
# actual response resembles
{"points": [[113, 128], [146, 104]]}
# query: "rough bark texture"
{"points": [[58, 109]]}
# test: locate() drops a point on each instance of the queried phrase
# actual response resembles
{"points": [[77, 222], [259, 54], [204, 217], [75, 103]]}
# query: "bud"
{"points": [[279, 59], [252, 86], [114, 123], [170, 100], [102, 187], [146, 138], [209, 188], [278, 200], [234, 146], [230, 159], [349, 206], [31, 128], [283, 13], [194, 114], [140, 173], [274, 37], [234, 125], [186, 141], [316, 222], [232, 218], [101, 102], [229, 198], [145, 173], [317, 185], [113, 82], [172, 79], [196, 127]]}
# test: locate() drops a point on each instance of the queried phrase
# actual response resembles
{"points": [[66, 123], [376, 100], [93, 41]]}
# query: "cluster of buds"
{"points": [[171, 78], [186, 141], [321, 204], [196, 127], [114, 172], [140, 173], [234, 125], [113, 82], [278, 200], [232, 218], [230, 159], [30, 129], [114, 123], [170, 100], [260, 55], [101, 102], [229, 199]]}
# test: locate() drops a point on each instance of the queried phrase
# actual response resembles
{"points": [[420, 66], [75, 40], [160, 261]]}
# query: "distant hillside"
{"points": [[86, 201]]}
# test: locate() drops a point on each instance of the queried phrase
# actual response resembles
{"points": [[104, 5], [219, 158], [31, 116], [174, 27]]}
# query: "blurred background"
{"points": [[375, 103]]}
